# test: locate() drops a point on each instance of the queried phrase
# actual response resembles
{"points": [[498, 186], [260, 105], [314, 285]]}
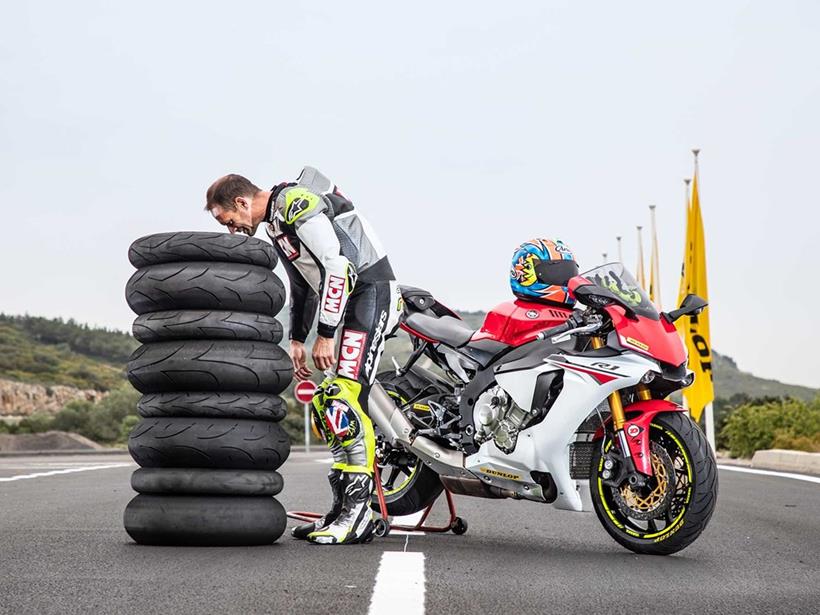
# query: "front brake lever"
{"points": [[563, 337]]}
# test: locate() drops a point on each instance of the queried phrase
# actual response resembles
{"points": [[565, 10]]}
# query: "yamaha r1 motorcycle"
{"points": [[551, 405]]}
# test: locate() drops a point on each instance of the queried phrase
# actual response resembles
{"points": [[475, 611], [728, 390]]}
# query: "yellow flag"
{"points": [[695, 329]]}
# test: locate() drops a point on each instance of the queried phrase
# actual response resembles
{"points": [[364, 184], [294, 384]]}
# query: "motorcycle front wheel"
{"points": [[674, 507]]}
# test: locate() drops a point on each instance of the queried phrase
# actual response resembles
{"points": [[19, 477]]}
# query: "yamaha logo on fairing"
{"points": [[533, 314], [350, 354]]}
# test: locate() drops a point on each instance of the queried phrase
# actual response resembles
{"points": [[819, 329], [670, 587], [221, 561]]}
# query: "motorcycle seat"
{"points": [[446, 329]]}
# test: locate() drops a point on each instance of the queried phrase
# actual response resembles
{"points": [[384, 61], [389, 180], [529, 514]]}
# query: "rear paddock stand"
{"points": [[455, 524]]}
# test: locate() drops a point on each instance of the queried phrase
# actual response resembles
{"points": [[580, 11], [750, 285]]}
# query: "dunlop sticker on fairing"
{"points": [[506, 475]]}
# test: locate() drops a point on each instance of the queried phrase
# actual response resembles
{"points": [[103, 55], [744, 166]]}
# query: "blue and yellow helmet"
{"points": [[541, 269]]}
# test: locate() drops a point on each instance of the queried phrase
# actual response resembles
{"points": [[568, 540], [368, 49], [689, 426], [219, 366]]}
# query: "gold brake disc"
{"points": [[651, 501]]}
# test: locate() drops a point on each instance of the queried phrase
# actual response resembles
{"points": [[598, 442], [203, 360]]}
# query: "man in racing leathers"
{"points": [[335, 264]]}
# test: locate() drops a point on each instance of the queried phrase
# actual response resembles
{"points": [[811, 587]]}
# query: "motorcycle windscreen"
{"points": [[649, 334]]}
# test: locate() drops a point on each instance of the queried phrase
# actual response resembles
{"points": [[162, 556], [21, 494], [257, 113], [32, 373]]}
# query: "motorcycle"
{"points": [[551, 405]]}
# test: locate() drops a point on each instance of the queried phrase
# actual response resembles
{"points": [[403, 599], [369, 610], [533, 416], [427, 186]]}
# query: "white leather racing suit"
{"points": [[337, 265]]}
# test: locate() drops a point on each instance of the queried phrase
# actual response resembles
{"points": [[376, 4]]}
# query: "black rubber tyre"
{"points": [[422, 486], [205, 286], [206, 324], [694, 497], [205, 365], [227, 444], [202, 481], [253, 406], [193, 246], [204, 520]]}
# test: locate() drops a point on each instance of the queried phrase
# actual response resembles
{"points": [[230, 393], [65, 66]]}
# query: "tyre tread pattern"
{"points": [[205, 286], [206, 324], [198, 246], [210, 365], [253, 406], [232, 444]]}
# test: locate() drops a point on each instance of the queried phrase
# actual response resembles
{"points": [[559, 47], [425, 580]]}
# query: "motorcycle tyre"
{"points": [[227, 444], [210, 365], [218, 405], [213, 521], [423, 486], [197, 246], [206, 324], [702, 499], [205, 286]]}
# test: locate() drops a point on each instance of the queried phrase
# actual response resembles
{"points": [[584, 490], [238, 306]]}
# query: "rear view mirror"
{"points": [[692, 304]]}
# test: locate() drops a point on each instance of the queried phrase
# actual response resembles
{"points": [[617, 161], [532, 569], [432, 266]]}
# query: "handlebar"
{"points": [[569, 323]]}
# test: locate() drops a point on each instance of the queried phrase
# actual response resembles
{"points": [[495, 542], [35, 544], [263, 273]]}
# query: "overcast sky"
{"points": [[459, 128]]}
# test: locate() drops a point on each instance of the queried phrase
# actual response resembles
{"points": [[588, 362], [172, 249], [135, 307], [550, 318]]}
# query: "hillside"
{"points": [[49, 352], [52, 352]]}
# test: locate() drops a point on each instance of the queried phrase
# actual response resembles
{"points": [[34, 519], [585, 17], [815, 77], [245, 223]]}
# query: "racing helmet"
{"points": [[540, 271]]}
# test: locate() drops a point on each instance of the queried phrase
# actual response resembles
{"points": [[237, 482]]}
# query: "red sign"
{"points": [[304, 391]]}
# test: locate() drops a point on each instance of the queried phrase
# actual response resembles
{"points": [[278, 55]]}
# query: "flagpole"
{"points": [[655, 262], [686, 182], [641, 273], [604, 255], [620, 250], [709, 414]]}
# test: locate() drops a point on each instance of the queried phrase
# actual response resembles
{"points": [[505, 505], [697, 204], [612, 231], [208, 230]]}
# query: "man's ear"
{"points": [[241, 202]]}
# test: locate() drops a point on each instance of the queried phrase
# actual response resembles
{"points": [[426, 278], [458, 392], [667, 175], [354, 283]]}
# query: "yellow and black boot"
{"points": [[355, 523], [336, 478]]}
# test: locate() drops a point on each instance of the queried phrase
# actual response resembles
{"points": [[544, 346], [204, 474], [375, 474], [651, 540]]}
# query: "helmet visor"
{"points": [[556, 272]]}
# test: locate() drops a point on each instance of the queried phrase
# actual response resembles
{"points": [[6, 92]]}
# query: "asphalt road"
{"points": [[63, 550]]}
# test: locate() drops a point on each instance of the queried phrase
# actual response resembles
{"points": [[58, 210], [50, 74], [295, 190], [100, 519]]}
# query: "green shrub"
{"points": [[758, 426], [294, 424], [127, 425], [36, 423], [808, 444], [102, 422]]}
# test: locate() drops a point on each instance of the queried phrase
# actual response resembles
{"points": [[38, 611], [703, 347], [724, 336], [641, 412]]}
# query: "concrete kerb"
{"points": [[787, 461], [58, 452]]}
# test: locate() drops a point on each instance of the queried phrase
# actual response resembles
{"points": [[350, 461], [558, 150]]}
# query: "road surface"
{"points": [[63, 550]]}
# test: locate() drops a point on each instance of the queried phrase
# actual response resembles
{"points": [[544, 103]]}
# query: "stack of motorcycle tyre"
{"points": [[210, 369]]}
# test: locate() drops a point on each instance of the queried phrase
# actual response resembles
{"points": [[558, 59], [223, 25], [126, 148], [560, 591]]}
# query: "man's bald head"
{"points": [[224, 192]]}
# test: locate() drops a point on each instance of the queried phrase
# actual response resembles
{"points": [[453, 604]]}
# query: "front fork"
{"points": [[635, 471]]}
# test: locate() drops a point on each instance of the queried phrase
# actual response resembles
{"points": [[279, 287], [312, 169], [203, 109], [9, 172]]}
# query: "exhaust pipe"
{"points": [[475, 488], [398, 430]]}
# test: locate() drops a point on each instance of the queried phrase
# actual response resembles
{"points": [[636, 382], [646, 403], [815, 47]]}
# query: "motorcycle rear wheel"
{"points": [[409, 485], [661, 518]]}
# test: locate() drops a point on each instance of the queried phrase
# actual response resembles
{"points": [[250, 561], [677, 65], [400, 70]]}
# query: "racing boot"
{"points": [[336, 479], [355, 523]]}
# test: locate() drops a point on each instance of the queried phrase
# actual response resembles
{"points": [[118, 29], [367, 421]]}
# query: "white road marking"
{"points": [[8, 479], [803, 477], [399, 588], [410, 520], [406, 533]]}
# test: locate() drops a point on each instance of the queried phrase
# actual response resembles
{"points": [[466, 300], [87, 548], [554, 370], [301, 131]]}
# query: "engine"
{"points": [[497, 417]]}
